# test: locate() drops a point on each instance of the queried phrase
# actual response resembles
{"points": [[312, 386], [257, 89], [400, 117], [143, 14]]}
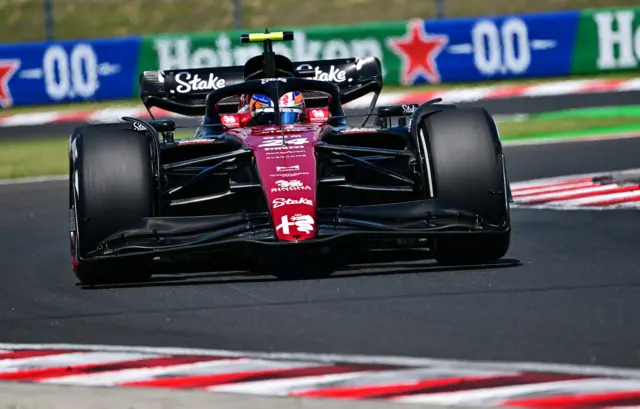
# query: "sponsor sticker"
{"points": [[287, 168], [409, 109], [318, 115], [137, 126], [333, 75], [274, 141], [358, 130], [283, 148], [289, 186], [303, 223], [190, 83], [288, 156], [280, 201], [266, 80], [229, 120], [197, 142], [288, 175], [286, 152]]}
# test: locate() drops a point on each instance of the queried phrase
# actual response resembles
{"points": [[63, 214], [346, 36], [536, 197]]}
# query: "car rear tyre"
{"points": [[468, 170], [111, 184]]}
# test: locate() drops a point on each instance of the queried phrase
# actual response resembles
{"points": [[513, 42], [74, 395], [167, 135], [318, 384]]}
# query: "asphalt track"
{"points": [[575, 298]]}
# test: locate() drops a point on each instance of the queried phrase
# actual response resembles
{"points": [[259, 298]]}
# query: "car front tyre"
{"points": [[468, 171], [111, 185]]}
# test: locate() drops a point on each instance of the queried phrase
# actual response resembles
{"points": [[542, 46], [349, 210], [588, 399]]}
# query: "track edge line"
{"points": [[369, 359]]}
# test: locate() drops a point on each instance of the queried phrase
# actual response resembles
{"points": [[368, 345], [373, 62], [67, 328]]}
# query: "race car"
{"points": [[275, 177]]}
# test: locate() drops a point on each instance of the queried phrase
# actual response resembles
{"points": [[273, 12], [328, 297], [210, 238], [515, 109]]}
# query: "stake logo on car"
{"points": [[188, 84], [334, 75], [280, 201], [409, 109], [137, 126]]}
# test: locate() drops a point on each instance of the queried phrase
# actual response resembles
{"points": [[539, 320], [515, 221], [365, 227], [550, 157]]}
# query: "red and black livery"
{"points": [[301, 196]]}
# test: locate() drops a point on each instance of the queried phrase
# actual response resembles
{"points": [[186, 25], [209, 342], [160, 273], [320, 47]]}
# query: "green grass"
{"points": [[40, 157], [23, 20], [135, 102], [45, 157], [28, 158], [510, 130]]}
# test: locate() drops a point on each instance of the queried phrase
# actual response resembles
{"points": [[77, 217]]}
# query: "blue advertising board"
{"points": [[68, 71], [502, 47]]}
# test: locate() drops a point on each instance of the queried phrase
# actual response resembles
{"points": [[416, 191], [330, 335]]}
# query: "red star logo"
{"points": [[418, 51], [7, 69]]}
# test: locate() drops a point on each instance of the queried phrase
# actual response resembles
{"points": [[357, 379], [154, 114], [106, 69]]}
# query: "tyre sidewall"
{"points": [[468, 171], [111, 186]]}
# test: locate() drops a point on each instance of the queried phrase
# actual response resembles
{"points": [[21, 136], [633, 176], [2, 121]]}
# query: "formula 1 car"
{"points": [[298, 197]]}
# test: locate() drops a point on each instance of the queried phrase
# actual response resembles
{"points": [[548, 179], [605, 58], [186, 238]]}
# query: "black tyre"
{"points": [[468, 170], [111, 184]]}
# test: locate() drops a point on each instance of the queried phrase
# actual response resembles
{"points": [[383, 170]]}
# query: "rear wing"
{"points": [[185, 91]]}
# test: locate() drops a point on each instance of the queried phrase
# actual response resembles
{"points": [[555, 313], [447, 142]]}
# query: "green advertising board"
{"points": [[215, 49], [608, 40]]}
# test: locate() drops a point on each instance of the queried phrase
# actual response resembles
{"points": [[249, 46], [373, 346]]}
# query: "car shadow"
{"points": [[379, 263]]}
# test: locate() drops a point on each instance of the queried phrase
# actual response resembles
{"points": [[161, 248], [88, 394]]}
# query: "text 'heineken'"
{"points": [[181, 53], [618, 39]]}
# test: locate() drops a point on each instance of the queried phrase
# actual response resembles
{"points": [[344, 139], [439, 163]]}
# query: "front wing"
{"points": [[253, 232]]}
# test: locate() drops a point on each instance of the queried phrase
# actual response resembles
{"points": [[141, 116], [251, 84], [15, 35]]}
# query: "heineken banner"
{"points": [[412, 53], [607, 41]]}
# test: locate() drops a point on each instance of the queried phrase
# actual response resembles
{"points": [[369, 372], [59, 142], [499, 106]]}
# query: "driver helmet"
{"points": [[292, 108]]}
